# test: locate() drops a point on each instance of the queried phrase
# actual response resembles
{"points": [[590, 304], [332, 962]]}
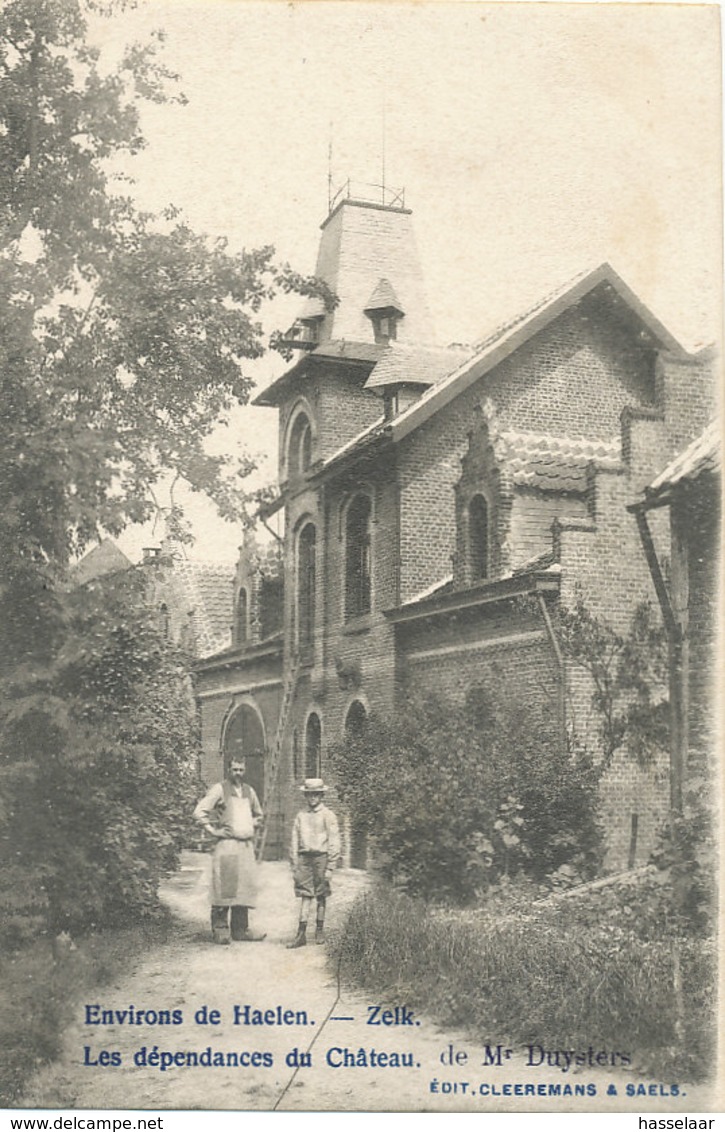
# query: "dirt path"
{"points": [[190, 973]]}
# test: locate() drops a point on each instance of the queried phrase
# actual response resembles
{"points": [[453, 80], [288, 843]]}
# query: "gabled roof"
{"points": [[702, 457], [104, 559], [508, 337]]}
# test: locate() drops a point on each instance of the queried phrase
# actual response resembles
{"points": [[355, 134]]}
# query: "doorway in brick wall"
{"points": [[244, 737]]}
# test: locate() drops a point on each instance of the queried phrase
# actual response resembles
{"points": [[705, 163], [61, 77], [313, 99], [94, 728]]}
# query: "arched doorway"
{"points": [[244, 735], [355, 723]]}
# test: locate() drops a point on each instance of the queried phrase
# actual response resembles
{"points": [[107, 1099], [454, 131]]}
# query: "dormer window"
{"points": [[384, 327], [303, 334], [384, 311]]}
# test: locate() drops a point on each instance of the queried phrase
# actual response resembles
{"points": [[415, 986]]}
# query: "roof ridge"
{"points": [[514, 320]]}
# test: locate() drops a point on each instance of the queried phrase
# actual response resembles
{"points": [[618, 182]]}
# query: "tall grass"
{"points": [[38, 994], [539, 978]]}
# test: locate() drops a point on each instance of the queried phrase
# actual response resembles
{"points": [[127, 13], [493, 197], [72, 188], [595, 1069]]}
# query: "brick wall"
{"points": [[687, 390], [532, 517]]}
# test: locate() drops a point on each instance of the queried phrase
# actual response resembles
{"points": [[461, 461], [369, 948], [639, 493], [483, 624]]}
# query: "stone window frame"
{"points": [[484, 471]]}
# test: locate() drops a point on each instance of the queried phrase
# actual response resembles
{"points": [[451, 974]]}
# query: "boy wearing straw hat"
{"points": [[314, 853]]}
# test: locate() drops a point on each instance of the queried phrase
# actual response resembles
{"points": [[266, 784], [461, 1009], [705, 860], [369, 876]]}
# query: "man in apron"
{"points": [[231, 812]]}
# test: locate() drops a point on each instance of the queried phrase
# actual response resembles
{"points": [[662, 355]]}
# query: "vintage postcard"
{"points": [[361, 557]]}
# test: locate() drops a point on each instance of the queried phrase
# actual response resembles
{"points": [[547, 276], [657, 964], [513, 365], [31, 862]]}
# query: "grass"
{"points": [[537, 977], [38, 995]]}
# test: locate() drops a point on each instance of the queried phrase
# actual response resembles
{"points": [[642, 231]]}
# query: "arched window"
{"points": [[306, 580], [313, 746], [299, 452], [355, 719], [271, 606], [241, 622], [164, 620], [357, 557], [478, 538]]}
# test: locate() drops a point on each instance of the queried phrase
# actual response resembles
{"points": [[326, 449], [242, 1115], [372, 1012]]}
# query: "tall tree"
{"points": [[123, 339]]}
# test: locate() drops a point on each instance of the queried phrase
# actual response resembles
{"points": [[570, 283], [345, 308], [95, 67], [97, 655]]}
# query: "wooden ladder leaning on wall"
{"points": [[272, 771]]}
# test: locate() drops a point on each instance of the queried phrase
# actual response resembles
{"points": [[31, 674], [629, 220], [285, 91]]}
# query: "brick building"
{"points": [[423, 490]]}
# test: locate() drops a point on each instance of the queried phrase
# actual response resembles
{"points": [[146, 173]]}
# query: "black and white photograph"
{"points": [[360, 559]]}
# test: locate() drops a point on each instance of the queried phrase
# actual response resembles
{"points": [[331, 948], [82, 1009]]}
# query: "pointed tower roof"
{"points": [[365, 247]]}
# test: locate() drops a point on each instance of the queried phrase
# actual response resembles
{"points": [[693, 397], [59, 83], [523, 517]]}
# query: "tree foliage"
{"points": [[459, 796], [124, 338], [99, 769], [123, 335]]}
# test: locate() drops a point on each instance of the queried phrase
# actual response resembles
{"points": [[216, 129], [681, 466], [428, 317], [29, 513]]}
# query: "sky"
{"points": [[532, 140]]}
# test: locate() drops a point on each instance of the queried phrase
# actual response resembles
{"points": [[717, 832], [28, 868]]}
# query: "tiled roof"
{"points": [[510, 324], [342, 348], [556, 463], [208, 589], [355, 351], [701, 457], [415, 365]]}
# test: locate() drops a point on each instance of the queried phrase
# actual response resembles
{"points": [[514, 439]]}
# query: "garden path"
{"points": [[189, 972]]}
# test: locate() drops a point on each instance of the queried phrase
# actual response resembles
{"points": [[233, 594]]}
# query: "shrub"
{"points": [[98, 750], [457, 796]]}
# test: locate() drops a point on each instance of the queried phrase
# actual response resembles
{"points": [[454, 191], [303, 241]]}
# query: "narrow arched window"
{"points": [[306, 582], [164, 623], [241, 621], [305, 449], [478, 535], [357, 557], [355, 719], [299, 452], [313, 746]]}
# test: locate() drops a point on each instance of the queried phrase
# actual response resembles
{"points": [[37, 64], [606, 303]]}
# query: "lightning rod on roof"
{"points": [[329, 170]]}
